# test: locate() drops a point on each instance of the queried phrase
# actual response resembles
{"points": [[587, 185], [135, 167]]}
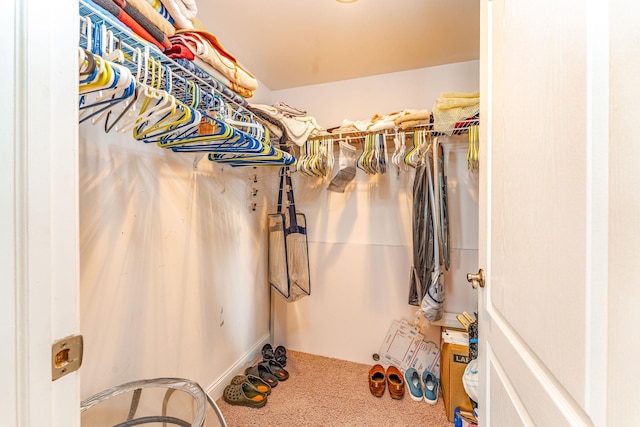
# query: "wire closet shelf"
{"points": [[132, 46]]}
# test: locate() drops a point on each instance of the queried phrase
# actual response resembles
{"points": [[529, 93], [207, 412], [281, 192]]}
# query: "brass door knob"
{"points": [[476, 279]]}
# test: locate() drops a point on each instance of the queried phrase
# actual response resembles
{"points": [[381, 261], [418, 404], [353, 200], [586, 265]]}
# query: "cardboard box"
{"points": [[455, 358]]}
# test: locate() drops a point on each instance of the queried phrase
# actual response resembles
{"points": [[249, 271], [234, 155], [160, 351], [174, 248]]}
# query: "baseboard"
{"points": [[216, 389]]}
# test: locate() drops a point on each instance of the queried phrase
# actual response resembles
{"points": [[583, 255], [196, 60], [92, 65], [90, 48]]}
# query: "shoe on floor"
{"points": [[276, 369], [395, 382], [262, 371], [377, 380], [430, 387], [257, 382], [412, 378], [280, 355], [267, 352], [244, 395]]}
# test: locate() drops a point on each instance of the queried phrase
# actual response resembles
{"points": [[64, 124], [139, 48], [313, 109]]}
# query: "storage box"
{"points": [[454, 360]]}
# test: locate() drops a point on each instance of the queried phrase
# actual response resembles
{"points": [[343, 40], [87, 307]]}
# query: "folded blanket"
{"points": [[179, 50], [475, 94], [145, 23], [447, 103], [240, 90], [115, 10], [289, 110], [450, 100], [445, 120], [203, 47], [407, 124], [213, 41], [182, 12], [211, 81], [412, 116], [159, 7], [278, 132], [298, 129], [153, 16]]}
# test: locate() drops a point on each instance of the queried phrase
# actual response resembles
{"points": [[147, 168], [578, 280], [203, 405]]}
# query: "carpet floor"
{"points": [[323, 392]]}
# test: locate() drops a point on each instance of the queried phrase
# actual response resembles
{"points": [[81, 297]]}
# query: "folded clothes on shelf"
{"points": [[134, 20], [205, 46]]}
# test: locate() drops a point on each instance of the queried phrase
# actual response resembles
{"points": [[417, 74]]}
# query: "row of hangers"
{"points": [[138, 93], [316, 157]]}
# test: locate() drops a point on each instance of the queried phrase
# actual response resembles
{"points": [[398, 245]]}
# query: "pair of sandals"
{"points": [[279, 354], [271, 369], [247, 390]]}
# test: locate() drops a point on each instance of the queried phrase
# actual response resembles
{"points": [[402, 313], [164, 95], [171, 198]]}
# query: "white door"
{"points": [[38, 210], [558, 213]]}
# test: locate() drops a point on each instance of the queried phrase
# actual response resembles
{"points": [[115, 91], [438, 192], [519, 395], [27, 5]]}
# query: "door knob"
{"points": [[476, 279]]}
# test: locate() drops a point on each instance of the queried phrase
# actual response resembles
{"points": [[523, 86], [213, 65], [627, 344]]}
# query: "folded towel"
{"points": [[411, 116], [179, 50], [298, 129], [407, 124], [182, 12], [115, 10], [207, 47], [153, 16], [159, 7], [241, 90], [448, 103], [211, 81], [475, 94], [446, 121], [289, 110], [144, 22]]}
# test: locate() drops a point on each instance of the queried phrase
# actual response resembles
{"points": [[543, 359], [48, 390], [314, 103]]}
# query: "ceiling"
{"points": [[292, 43]]}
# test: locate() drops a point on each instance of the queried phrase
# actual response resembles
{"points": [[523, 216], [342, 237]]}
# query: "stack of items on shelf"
{"points": [[151, 20], [288, 125], [454, 112], [132, 90], [253, 388], [200, 51], [172, 26], [403, 120]]}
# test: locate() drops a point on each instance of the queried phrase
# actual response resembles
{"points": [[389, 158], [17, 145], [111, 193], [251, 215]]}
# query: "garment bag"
{"points": [[288, 249]]}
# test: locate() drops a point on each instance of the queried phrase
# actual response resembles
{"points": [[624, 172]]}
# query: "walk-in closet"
{"points": [[345, 213]]}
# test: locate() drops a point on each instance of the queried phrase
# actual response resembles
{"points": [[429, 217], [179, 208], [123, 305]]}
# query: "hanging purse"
{"points": [[288, 249]]}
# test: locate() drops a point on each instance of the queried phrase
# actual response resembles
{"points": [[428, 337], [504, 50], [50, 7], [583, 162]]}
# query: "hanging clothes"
{"points": [[423, 261], [433, 302]]}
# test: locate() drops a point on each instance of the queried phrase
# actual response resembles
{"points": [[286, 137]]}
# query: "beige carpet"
{"points": [[329, 392]]}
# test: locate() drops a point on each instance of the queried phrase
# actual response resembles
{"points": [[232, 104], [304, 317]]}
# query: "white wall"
{"points": [[173, 265], [360, 241]]}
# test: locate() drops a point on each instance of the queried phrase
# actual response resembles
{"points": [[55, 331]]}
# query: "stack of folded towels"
{"points": [[452, 108], [172, 26], [404, 119]]}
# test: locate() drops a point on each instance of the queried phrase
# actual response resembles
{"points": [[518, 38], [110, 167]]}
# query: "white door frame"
{"points": [[39, 210]]}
